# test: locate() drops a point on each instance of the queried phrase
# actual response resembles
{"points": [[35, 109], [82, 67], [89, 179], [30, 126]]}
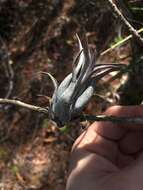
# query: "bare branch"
{"points": [[118, 120], [124, 20], [24, 105], [121, 42], [121, 120]]}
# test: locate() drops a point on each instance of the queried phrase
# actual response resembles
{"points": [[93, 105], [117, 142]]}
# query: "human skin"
{"points": [[108, 156]]}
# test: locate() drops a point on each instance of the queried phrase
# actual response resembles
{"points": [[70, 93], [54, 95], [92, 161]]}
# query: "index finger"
{"points": [[114, 131]]}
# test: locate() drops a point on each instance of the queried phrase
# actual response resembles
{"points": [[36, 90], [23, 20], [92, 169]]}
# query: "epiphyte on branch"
{"points": [[75, 91]]}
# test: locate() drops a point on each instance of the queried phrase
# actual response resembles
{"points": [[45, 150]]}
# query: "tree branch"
{"points": [[121, 42], [24, 105], [118, 120], [124, 20], [121, 120]]}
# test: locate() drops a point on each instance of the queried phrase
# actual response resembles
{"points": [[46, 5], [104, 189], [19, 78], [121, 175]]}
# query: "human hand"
{"points": [[108, 156]]}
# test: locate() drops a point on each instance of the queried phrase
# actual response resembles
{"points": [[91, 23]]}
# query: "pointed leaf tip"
{"points": [[55, 83]]}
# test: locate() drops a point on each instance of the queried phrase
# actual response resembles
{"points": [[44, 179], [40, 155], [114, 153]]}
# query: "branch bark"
{"points": [[118, 120], [126, 23], [24, 105], [121, 120]]}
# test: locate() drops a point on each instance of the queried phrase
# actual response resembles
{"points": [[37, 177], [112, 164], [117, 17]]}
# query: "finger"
{"points": [[109, 130], [97, 137], [94, 143], [134, 174], [117, 131], [132, 142], [124, 160], [88, 170], [127, 111]]}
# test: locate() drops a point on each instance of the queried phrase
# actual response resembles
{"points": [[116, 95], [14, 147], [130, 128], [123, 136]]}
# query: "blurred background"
{"points": [[40, 36]]}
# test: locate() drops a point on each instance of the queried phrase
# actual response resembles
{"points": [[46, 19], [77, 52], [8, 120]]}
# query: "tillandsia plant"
{"points": [[75, 91]]}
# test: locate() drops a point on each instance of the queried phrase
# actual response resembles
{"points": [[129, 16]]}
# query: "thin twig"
{"points": [[124, 20], [121, 120], [24, 105], [121, 42]]}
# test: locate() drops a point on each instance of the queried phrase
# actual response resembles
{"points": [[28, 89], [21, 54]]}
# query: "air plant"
{"points": [[75, 91]]}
